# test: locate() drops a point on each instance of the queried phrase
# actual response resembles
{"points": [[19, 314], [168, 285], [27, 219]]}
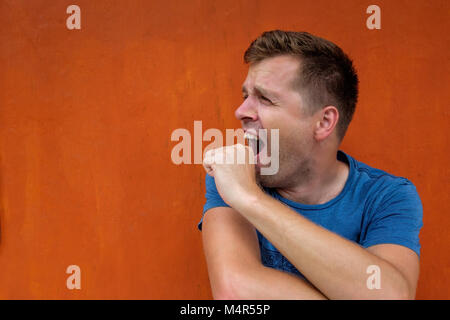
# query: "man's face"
{"points": [[271, 101]]}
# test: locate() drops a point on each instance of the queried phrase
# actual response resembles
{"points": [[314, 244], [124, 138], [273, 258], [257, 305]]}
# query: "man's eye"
{"points": [[265, 99], [244, 97]]}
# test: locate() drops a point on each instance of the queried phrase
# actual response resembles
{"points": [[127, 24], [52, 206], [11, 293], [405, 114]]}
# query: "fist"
{"points": [[233, 170]]}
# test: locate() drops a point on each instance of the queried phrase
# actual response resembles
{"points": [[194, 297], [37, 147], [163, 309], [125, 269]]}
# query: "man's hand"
{"points": [[233, 172]]}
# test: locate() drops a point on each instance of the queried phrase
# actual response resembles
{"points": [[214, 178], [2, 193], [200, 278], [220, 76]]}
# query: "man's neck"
{"points": [[326, 182]]}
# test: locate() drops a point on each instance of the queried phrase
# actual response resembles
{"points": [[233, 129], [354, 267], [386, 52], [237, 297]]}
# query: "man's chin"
{"points": [[264, 180]]}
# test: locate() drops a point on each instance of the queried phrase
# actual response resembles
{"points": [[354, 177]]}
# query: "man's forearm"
{"points": [[336, 266], [235, 269], [262, 283]]}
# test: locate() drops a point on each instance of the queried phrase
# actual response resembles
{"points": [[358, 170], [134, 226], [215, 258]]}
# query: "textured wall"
{"points": [[86, 117]]}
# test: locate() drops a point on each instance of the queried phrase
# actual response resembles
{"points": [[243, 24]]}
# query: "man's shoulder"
{"points": [[381, 186], [373, 176]]}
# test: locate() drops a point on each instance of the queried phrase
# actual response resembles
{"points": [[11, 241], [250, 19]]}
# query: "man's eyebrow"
{"points": [[264, 92], [261, 91]]}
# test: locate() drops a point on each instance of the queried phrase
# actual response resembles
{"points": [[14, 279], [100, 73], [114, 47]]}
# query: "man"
{"points": [[321, 225]]}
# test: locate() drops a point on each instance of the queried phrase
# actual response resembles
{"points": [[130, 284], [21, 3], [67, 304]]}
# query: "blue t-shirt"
{"points": [[374, 207]]}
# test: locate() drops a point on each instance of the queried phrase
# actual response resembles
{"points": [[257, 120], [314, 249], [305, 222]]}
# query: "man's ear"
{"points": [[326, 121]]}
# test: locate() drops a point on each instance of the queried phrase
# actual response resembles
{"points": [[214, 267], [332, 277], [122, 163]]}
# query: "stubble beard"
{"points": [[294, 169]]}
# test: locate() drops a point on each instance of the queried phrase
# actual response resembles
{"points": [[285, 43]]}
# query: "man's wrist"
{"points": [[251, 198]]}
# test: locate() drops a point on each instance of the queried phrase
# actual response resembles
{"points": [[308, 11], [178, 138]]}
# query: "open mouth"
{"points": [[254, 142]]}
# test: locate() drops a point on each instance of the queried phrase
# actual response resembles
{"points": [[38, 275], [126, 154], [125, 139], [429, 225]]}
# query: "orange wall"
{"points": [[86, 117]]}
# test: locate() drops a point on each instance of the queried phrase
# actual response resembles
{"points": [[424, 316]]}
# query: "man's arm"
{"points": [[406, 261], [234, 264], [334, 265]]}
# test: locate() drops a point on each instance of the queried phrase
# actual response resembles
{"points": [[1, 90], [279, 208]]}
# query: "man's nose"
{"points": [[247, 110]]}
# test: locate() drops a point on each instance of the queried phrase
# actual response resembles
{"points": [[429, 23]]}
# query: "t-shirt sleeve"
{"points": [[213, 198], [397, 219]]}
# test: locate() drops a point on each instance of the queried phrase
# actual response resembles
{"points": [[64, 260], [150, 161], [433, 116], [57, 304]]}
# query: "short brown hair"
{"points": [[327, 75]]}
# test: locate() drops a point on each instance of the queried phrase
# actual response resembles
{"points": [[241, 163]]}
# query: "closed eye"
{"points": [[265, 99], [245, 96]]}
